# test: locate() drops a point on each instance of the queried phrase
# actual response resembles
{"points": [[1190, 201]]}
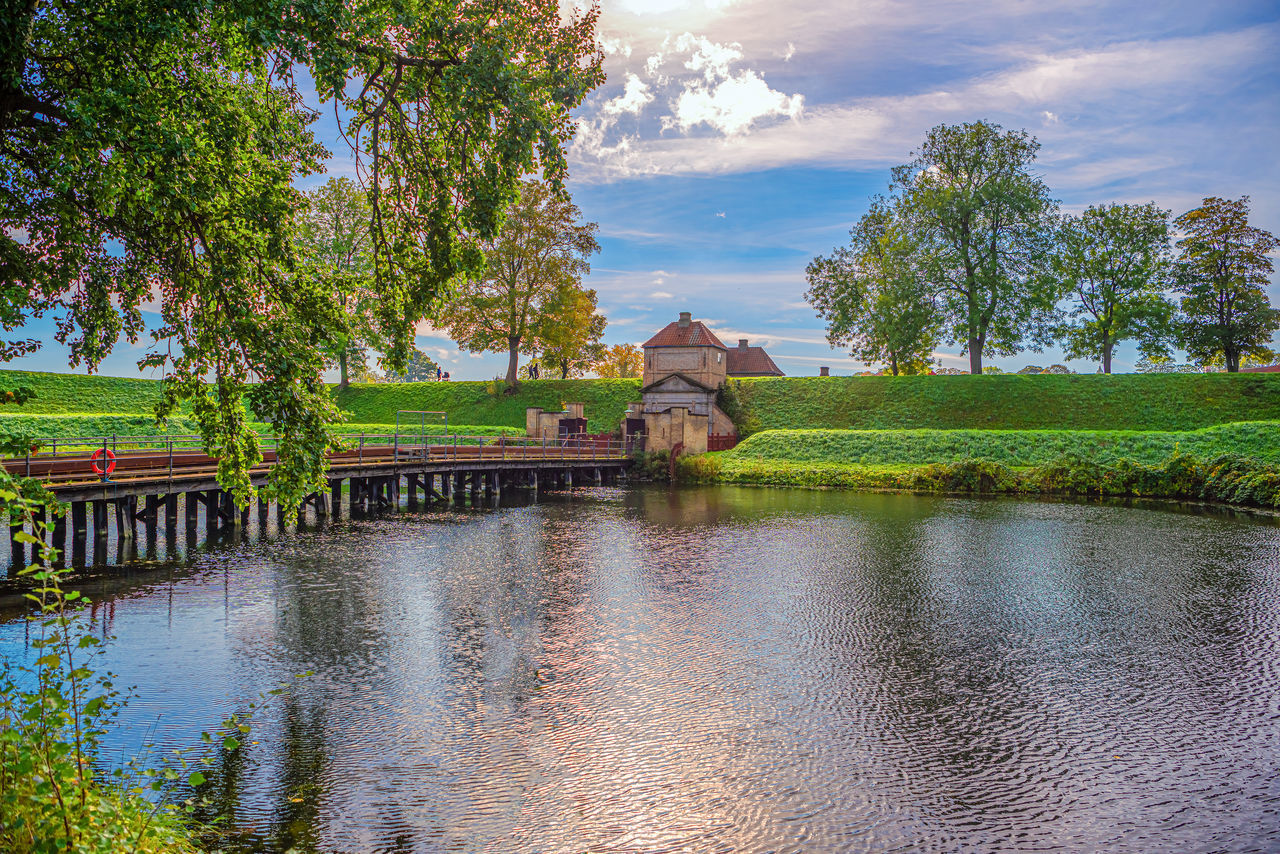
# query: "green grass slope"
{"points": [[58, 394], [1011, 402], [471, 402], [1257, 440]]}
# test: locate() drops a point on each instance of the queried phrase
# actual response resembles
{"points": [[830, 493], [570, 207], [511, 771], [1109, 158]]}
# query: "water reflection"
{"points": [[729, 669]]}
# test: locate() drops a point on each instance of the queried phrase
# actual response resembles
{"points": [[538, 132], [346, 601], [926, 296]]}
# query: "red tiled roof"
{"points": [[1269, 369], [693, 335], [750, 362]]}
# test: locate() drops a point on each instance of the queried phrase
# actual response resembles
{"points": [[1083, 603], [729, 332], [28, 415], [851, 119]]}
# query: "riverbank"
{"points": [[1235, 464]]}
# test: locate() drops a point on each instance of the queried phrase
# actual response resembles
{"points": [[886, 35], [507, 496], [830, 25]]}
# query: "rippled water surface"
{"points": [[728, 669]]}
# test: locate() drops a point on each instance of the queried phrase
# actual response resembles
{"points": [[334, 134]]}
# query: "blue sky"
{"points": [[736, 139]]}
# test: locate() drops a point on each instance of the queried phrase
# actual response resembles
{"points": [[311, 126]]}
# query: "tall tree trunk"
{"points": [[893, 364], [1233, 360], [343, 381], [1106, 356], [513, 359], [975, 355]]}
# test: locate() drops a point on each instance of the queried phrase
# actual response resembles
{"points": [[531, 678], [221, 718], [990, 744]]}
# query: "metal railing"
{"points": [[69, 458]]}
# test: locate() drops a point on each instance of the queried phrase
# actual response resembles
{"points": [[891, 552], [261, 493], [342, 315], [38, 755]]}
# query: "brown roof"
{"points": [[693, 335], [745, 361], [1269, 369]]}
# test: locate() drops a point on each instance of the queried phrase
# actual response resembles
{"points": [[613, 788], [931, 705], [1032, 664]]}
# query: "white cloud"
{"points": [[732, 105], [634, 98], [662, 295], [1117, 86]]}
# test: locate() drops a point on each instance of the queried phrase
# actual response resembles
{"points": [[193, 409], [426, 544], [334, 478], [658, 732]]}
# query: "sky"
{"points": [[735, 140]]}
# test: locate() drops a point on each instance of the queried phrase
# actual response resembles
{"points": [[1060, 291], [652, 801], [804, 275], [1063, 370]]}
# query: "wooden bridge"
{"points": [[158, 479]]}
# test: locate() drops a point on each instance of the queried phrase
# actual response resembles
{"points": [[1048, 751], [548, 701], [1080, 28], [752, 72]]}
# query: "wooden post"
{"points": [[99, 532], [212, 501], [60, 537], [335, 497], [121, 507], [411, 484], [190, 509], [171, 513], [17, 550]]}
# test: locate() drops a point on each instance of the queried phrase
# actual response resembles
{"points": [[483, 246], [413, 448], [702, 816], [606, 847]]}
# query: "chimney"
{"points": [[685, 319], [742, 343], [824, 371]]}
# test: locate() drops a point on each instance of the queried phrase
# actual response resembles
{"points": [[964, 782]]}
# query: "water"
{"points": [[728, 669]]}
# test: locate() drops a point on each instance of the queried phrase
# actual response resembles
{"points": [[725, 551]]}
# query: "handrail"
{"points": [[172, 454]]}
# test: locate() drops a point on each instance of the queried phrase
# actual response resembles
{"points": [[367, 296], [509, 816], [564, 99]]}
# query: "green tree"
{"points": [[149, 149], [418, 369], [983, 228], [874, 297], [1113, 261], [333, 237], [1223, 269], [534, 271]]}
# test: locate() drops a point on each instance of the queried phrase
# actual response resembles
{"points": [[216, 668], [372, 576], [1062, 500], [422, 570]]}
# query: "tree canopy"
{"points": [[621, 362], [874, 296], [530, 297], [148, 154], [334, 240], [982, 222], [1223, 269], [1113, 263]]}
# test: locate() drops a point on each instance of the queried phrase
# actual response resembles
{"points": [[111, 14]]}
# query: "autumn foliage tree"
{"points": [[530, 297], [621, 361], [1223, 269]]}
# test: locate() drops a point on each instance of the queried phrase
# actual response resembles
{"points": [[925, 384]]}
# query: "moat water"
{"points": [[723, 669]]}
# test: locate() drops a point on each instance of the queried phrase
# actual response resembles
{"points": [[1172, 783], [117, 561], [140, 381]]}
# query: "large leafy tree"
{"points": [[419, 368], [1113, 261], [570, 332], [983, 229], [334, 239], [874, 296], [531, 292], [1223, 269], [621, 361], [148, 152]]}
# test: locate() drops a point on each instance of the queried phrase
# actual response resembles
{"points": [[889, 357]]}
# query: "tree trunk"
{"points": [[893, 364], [975, 356], [1106, 356], [564, 369], [513, 360], [343, 381], [1233, 361]]}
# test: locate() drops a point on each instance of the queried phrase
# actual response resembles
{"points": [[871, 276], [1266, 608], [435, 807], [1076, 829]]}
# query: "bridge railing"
{"points": [[69, 458]]}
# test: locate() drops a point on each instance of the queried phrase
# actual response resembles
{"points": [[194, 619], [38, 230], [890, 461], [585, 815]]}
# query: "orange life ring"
{"points": [[99, 454]]}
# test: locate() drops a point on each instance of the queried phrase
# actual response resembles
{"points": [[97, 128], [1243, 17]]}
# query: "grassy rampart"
{"points": [[1253, 439], [1165, 402], [1011, 402]]}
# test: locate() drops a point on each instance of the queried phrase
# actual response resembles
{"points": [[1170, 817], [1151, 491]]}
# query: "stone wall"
{"points": [[704, 364]]}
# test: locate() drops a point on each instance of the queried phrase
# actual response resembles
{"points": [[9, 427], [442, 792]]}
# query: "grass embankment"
{"points": [[1234, 463], [469, 404], [1010, 402], [472, 403]]}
